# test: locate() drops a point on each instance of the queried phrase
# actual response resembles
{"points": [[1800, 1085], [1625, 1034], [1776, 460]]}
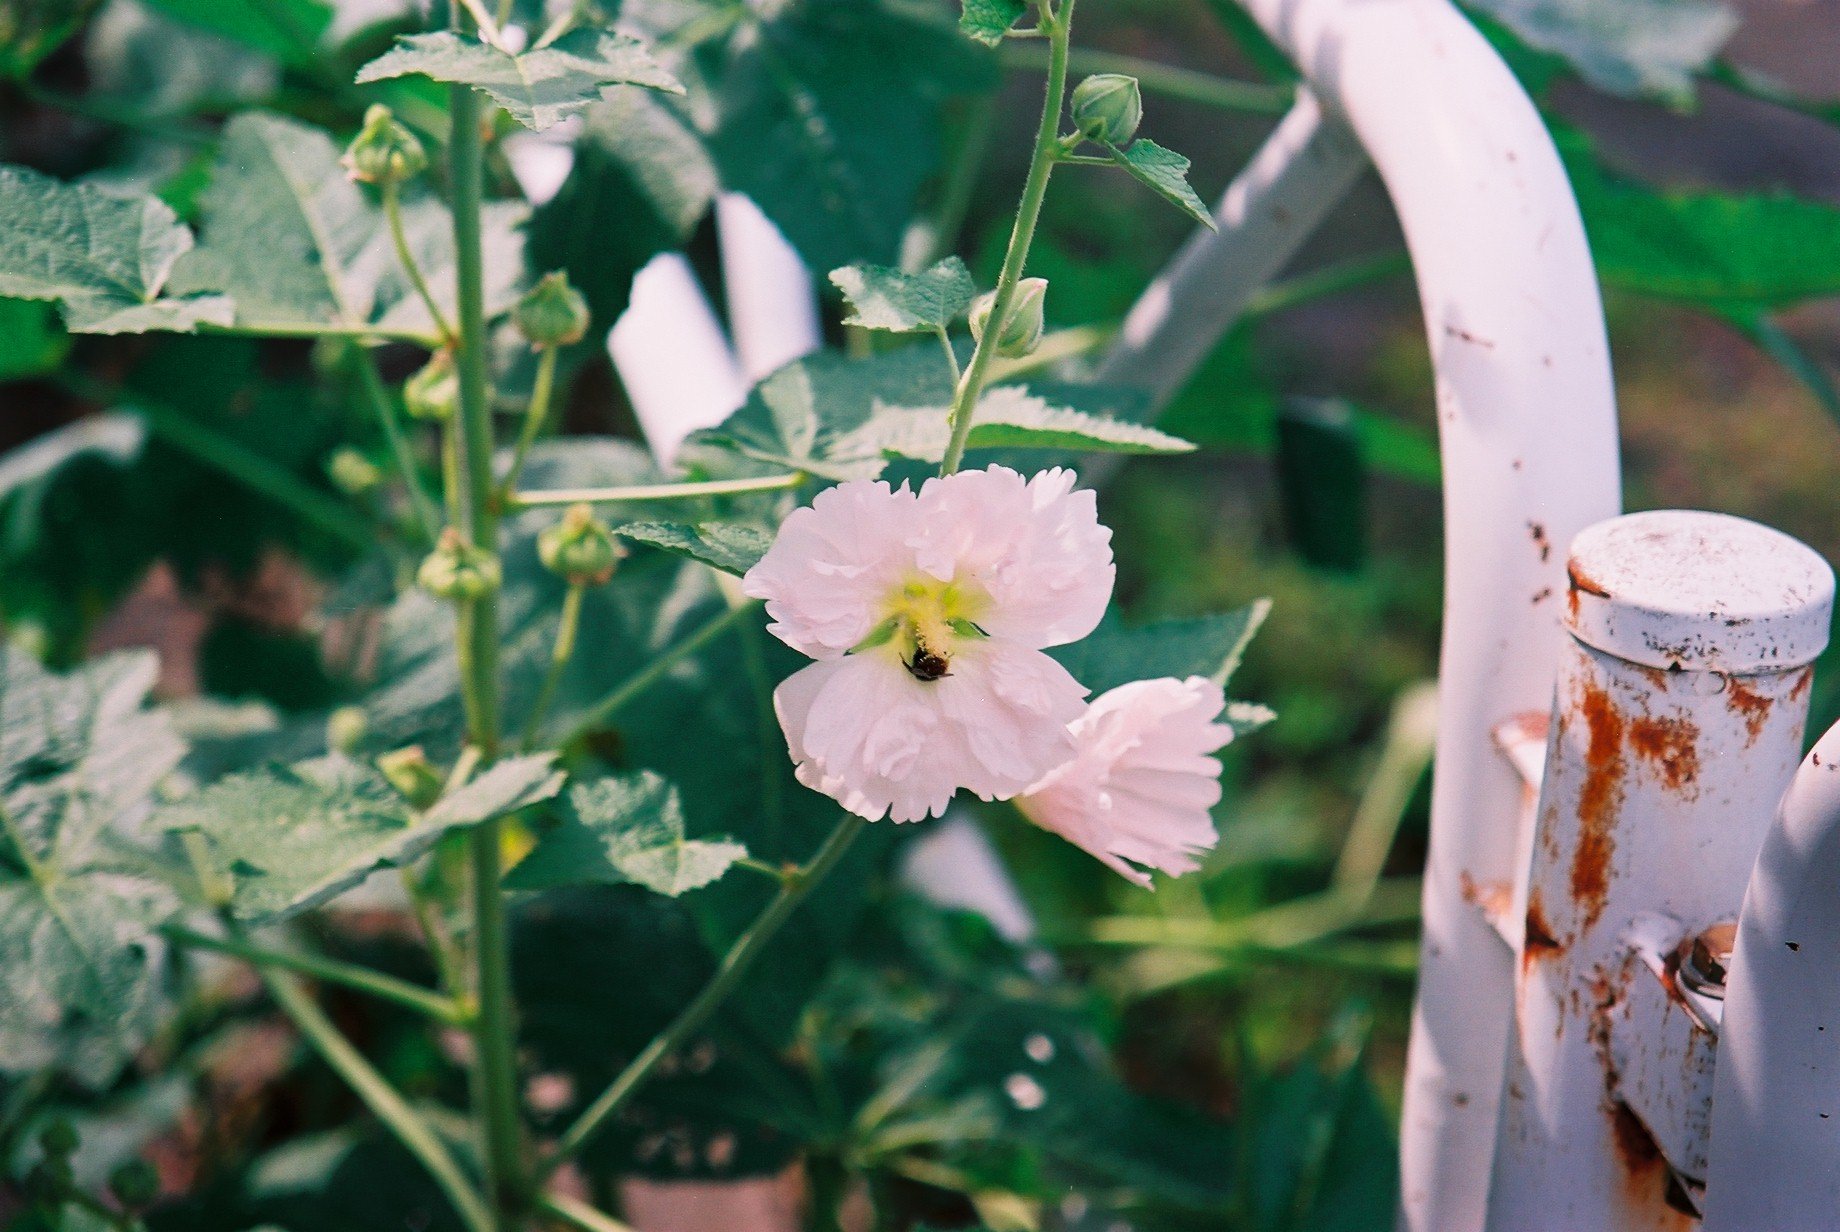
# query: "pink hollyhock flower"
{"points": [[927, 612], [1140, 785]]}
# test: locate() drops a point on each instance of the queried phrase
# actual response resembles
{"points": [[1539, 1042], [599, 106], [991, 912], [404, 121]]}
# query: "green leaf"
{"points": [[733, 547], [1210, 646], [105, 259], [540, 87], [1007, 417], [1628, 47], [1165, 173], [988, 21], [30, 32], [82, 967], [828, 113], [624, 829], [291, 838], [301, 248], [31, 342], [885, 298], [288, 30], [1758, 249]]}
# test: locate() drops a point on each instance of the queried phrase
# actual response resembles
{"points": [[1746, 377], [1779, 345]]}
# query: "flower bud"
{"points": [[135, 1184], [410, 772], [434, 391], [458, 570], [1107, 107], [383, 152], [579, 548], [346, 728], [1021, 332], [351, 472], [552, 313]]}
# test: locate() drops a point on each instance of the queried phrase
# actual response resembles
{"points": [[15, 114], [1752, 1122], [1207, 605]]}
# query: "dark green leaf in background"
{"points": [[624, 829], [732, 547], [884, 298]]}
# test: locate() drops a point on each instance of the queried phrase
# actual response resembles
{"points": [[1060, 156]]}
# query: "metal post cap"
{"points": [[1685, 589]]}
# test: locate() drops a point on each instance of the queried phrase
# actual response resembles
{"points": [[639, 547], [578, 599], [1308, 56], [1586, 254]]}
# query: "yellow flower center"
{"points": [[925, 617]]}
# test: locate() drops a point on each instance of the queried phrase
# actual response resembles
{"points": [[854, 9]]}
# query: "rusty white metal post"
{"points": [[1527, 425], [1677, 720], [1775, 1154]]}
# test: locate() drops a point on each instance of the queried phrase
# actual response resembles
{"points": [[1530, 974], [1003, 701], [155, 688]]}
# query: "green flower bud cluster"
{"points": [[384, 152], [552, 313], [434, 391], [410, 772], [1021, 330], [1107, 107], [580, 548], [352, 473], [458, 570]]}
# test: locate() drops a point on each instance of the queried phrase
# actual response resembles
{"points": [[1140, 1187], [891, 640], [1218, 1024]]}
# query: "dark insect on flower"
{"points": [[925, 665]]}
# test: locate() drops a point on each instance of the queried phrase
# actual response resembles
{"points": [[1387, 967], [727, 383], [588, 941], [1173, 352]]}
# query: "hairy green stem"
{"points": [[392, 212], [494, 1066], [380, 1097], [427, 514], [656, 491], [559, 658], [729, 973], [350, 975], [1022, 234], [535, 416], [655, 671]]}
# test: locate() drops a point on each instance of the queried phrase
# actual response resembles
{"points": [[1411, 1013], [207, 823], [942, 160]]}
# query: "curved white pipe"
{"points": [[672, 356], [1527, 422], [1775, 1151]]}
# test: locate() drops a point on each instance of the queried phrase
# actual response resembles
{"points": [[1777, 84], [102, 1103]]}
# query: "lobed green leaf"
{"points": [[290, 838], [732, 547], [624, 829], [105, 259], [888, 299], [540, 87], [1165, 173], [1007, 417], [988, 21]]}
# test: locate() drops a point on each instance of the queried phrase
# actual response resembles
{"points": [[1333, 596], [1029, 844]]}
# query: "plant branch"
{"points": [[1022, 234], [380, 1097], [392, 211], [349, 975], [655, 671], [535, 415], [734, 966], [657, 491], [559, 658], [427, 514]]}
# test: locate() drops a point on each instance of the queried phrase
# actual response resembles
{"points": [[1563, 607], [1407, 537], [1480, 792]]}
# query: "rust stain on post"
{"points": [[1599, 798], [1752, 705], [1672, 746], [1538, 941]]}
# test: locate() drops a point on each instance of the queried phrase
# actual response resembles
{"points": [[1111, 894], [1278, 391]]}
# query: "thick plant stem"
{"points": [[494, 1065], [741, 955], [1034, 189], [380, 1097]]}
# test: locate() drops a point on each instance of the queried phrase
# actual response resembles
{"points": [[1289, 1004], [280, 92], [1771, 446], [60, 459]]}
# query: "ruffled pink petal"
{"points": [[833, 564], [1141, 785], [1035, 546], [865, 732]]}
